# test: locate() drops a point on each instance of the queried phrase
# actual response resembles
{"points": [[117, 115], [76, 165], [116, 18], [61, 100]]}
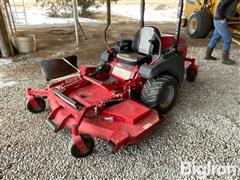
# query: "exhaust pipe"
{"points": [[108, 20]]}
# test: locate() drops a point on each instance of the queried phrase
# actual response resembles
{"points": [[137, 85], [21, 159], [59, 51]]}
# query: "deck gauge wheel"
{"points": [[191, 74], [110, 147], [38, 109], [88, 140]]}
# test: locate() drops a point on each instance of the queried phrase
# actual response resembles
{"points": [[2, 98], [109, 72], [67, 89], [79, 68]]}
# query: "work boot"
{"points": [[226, 59], [209, 55]]}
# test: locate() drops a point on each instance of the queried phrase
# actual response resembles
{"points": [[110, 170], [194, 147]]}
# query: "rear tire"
{"points": [[199, 24], [160, 93]]}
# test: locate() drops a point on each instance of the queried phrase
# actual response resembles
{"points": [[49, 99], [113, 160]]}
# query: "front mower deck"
{"points": [[122, 123]]}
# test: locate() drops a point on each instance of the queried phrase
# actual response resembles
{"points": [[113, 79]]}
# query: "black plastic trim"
{"points": [[171, 63]]}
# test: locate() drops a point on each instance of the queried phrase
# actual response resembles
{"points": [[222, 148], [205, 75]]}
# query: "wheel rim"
{"points": [[167, 96], [193, 26]]}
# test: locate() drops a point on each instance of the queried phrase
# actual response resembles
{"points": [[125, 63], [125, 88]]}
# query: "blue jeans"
{"points": [[221, 31]]}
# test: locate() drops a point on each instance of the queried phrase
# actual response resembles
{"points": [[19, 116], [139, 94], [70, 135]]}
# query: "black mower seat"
{"points": [[131, 57], [144, 45]]}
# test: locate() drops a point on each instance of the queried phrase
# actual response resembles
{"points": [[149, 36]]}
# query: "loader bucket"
{"points": [[56, 68]]}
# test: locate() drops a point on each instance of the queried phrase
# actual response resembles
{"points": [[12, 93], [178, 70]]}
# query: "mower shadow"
{"points": [[187, 98]]}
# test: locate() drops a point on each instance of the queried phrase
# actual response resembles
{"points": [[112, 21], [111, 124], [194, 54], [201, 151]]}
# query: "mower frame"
{"points": [[86, 104]]}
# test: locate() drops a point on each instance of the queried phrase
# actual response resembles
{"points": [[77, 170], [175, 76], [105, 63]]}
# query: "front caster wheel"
{"points": [[110, 147], [191, 74], [75, 152], [40, 106]]}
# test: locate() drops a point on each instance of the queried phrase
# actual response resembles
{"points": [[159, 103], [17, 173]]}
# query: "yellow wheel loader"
{"points": [[198, 18]]}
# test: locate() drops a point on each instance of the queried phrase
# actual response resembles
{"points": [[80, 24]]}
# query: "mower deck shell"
{"points": [[123, 123]]}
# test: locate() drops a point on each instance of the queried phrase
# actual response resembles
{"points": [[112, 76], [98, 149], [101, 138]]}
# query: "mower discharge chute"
{"points": [[121, 99]]}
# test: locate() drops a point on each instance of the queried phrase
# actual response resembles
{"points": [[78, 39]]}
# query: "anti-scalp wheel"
{"points": [[191, 74], [75, 152], [40, 106], [110, 147]]}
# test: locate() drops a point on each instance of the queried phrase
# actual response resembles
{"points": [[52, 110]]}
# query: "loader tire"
{"points": [[160, 93], [199, 24]]}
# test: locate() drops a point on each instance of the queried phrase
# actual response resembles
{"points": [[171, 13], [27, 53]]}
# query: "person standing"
{"points": [[226, 9]]}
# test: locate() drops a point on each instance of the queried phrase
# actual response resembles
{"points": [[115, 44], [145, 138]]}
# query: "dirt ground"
{"points": [[203, 126], [51, 39]]}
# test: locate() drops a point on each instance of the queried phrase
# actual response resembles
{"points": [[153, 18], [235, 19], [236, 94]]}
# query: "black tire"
{"points": [[191, 74], [110, 147], [199, 24], [184, 22], [160, 93], [88, 140], [41, 103]]}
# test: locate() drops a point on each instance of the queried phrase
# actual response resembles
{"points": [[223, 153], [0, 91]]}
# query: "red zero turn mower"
{"points": [[121, 99]]}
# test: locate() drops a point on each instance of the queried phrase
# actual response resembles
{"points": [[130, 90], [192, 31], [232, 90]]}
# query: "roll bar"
{"points": [[178, 26], [108, 20], [142, 12]]}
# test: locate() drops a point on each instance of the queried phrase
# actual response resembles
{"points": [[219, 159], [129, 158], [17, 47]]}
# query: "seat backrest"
{"points": [[146, 42]]}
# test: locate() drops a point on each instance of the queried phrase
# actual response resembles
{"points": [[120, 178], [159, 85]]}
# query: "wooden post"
{"points": [[76, 20], [77, 23], [5, 46]]}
